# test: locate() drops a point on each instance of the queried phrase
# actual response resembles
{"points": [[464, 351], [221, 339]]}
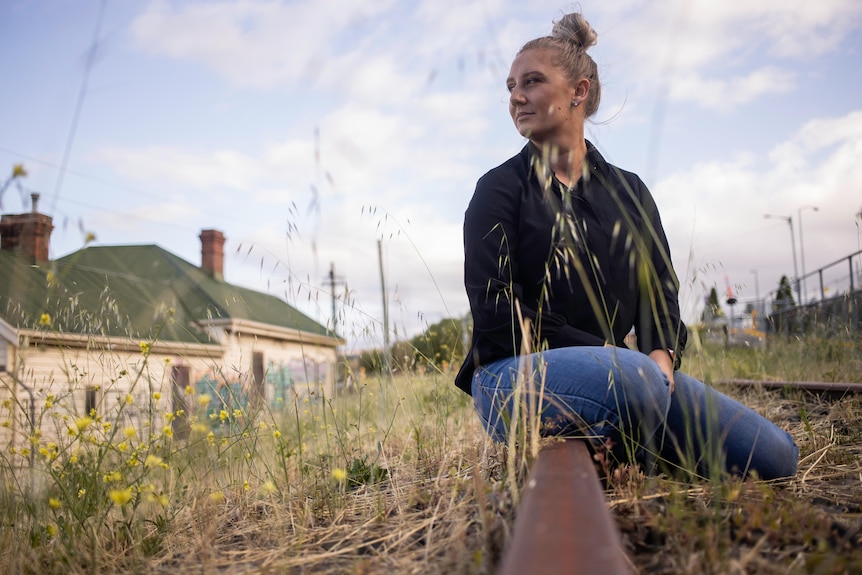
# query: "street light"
{"points": [[802, 246], [756, 297], [789, 220]]}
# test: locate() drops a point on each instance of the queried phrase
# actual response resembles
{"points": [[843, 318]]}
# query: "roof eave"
{"points": [[250, 327], [122, 343]]}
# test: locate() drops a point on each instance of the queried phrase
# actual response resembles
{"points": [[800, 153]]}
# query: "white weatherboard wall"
{"points": [[65, 374]]}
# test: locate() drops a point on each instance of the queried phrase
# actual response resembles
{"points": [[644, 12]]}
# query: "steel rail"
{"points": [[564, 525], [828, 386]]}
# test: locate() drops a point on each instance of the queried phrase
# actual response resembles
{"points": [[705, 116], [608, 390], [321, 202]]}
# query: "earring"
{"points": [[575, 103]]}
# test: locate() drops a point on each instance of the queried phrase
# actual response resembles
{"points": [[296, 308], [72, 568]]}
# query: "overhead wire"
{"points": [[79, 106]]}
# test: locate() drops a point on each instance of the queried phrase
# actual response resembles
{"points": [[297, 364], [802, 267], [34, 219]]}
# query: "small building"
{"points": [[112, 326]]}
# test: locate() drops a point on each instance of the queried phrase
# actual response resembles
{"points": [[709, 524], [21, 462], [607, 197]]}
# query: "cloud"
{"points": [[714, 211], [698, 48], [257, 44], [721, 94]]}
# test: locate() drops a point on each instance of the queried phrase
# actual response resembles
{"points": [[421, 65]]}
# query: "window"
{"points": [[179, 382], [3, 354], [90, 400], [259, 390]]}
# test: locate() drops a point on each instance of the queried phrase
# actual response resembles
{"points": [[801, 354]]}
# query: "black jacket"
{"points": [[584, 265]]}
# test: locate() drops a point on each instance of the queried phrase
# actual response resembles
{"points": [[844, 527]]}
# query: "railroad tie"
{"points": [[564, 525]]}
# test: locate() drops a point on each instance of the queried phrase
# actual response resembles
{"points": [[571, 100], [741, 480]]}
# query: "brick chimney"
{"points": [[212, 253], [29, 234]]}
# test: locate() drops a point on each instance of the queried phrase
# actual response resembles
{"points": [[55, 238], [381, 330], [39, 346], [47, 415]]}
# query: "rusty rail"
{"points": [[827, 386], [564, 526]]}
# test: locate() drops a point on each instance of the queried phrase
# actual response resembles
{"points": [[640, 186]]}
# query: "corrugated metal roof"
{"points": [[141, 292]]}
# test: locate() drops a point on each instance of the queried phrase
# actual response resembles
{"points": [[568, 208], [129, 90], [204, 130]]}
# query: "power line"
{"points": [[82, 94]]}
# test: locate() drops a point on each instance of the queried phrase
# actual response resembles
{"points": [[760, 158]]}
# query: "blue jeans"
{"points": [[620, 398]]}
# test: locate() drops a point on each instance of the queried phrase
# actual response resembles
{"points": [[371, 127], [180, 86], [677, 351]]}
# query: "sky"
{"points": [[321, 133]]}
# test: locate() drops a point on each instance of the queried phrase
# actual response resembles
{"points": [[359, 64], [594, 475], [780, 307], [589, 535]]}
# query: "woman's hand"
{"points": [[665, 362]]}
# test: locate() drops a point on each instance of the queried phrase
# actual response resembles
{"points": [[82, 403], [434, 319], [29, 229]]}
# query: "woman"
{"points": [[565, 255]]}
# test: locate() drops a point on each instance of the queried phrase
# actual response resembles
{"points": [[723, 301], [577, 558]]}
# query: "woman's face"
{"points": [[540, 98]]}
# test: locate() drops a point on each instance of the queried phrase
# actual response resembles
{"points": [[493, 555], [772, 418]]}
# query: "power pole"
{"points": [[332, 293], [384, 364]]}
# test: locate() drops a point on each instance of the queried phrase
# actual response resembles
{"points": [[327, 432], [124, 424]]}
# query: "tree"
{"points": [[712, 309], [441, 342], [784, 295]]}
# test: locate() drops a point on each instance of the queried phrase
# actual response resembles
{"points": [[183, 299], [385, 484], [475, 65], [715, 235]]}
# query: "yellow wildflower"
{"points": [[203, 400], [276, 434], [54, 503], [152, 460], [157, 396], [52, 530], [18, 171], [339, 474], [217, 497], [81, 492], [145, 348], [223, 415], [112, 477], [45, 320], [189, 390], [268, 487], [82, 423], [130, 431], [120, 497]]}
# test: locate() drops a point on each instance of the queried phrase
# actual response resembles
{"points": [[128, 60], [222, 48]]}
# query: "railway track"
{"points": [[564, 525], [816, 386]]}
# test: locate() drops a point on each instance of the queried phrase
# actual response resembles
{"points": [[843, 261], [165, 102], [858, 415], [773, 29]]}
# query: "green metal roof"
{"points": [[141, 292]]}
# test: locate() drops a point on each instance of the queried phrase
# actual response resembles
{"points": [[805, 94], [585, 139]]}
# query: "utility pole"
{"points": [[332, 281], [802, 247], [789, 220], [384, 361], [757, 308]]}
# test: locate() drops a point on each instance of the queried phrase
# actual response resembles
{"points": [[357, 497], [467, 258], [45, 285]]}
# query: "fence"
{"points": [[826, 313]]}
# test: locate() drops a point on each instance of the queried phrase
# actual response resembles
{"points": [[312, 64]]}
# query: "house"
{"points": [[107, 326]]}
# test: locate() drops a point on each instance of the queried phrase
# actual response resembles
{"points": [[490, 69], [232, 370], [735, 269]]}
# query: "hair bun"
{"points": [[574, 28]]}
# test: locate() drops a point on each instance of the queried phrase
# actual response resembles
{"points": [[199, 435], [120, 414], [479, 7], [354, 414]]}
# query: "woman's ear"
{"points": [[582, 89]]}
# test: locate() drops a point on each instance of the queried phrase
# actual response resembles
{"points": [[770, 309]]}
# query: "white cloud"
{"points": [[252, 43], [715, 210], [700, 48], [721, 94]]}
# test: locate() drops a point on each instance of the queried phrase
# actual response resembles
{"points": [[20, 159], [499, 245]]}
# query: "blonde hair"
{"points": [[570, 38]]}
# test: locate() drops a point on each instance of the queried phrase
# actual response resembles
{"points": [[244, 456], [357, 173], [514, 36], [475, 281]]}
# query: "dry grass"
{"points": [[402, 480]]}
